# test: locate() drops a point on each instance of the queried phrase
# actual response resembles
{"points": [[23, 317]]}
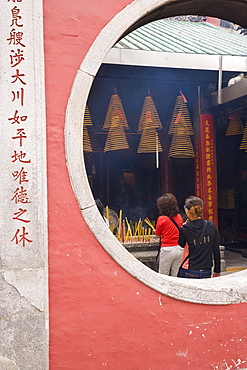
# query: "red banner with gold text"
{"points": [[205, 168]]}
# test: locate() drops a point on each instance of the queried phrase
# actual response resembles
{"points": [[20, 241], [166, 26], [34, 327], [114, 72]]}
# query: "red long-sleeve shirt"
{"points": [[168, 231]]}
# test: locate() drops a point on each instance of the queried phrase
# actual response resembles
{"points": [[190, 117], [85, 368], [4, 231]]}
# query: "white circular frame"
{"points": [[223, 290]]}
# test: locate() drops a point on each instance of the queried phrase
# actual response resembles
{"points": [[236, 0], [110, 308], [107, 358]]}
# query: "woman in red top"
{"points": [[167, 227]]}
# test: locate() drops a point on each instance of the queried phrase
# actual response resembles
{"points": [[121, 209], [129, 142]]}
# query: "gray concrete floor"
{"points": [[234, 261]]}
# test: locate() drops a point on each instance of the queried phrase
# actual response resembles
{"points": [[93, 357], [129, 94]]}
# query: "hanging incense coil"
{"points": [[181, 128], [87, 147], [87, 121], [181, 147], [149, 115], [115, 108], [235, 126], [243, 144], [90, 142], [149, 142], [180, 116], [116, 138], [115, 123], [149, 122]]}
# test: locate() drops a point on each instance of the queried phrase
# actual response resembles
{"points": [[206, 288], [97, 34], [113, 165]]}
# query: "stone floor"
{"points": [[234, 261]]}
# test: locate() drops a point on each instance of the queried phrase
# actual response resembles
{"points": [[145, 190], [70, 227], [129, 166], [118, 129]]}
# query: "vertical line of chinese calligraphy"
{"points": [[18, 121], [209, 169], [197, 168]]}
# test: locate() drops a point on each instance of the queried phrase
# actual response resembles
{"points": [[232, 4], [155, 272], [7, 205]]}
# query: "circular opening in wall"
{"points": [[214, 291]]}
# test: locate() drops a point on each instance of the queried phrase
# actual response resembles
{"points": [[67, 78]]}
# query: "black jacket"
{"points": [[202, 257]]}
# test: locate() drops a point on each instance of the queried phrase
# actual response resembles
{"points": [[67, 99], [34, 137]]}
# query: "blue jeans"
{"points": [[195, 274]]}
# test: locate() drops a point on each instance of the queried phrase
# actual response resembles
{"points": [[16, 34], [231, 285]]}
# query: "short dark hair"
{"points": [[167, 205]]}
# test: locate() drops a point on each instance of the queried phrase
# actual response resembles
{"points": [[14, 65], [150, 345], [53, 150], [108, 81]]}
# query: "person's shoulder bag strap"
{"points": [[174, 223], [198, 242]]}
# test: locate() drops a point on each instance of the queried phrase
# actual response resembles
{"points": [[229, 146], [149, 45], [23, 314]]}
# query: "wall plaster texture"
{"points": [[23, 268], [224, 290]]}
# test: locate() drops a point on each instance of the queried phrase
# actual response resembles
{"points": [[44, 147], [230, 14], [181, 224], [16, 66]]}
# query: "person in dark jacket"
{"points": [[201, 256]]}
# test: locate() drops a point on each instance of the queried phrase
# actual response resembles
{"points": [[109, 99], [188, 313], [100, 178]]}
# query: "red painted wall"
{"points": [[100, 316]]}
